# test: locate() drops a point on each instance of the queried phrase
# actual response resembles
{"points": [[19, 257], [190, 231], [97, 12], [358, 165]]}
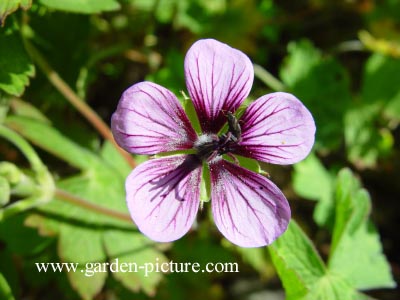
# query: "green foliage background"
{"points": [[63, 67]]}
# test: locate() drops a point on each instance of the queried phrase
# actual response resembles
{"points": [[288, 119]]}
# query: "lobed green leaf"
{"points": [[15, 64], [356, 261], [356, 251], [298, 264]]}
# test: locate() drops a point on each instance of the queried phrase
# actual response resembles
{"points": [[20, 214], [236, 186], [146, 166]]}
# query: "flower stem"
{"points": [[268, 79], [45, 188], [23, 146], [75, 200], [74, 99]]}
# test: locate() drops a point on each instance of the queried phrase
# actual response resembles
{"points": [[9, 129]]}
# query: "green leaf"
{"points": [[365, 141], [380, 78], [306, 174], [346, 206], [380, 84], [297, 262], [144, 5], [25, 109], [298, 269], [173, 11], [83, 235], [333, 287], [367, 125], [7, 7], [15, 65], [114, 159], [80, 231], [55, 143], [134, 249], [303, 56], [82, 6], [368, 268], [11, 231], [83, 245], [302, 271]]}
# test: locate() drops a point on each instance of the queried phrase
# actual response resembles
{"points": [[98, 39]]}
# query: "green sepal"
{"points": [[170, 153], [191, 113], [205, 186], [251, 164]]}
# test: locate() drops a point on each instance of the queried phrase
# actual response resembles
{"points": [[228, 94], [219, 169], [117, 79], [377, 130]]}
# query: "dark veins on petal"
{"points": [[212, 118], [170, 180], [229, 180]]}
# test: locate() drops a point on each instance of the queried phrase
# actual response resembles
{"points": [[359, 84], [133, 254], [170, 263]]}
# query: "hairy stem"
{"points": [[75, 200]]}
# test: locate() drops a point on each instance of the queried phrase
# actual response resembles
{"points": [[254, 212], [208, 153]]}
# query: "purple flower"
{"points": [[163, 194]]}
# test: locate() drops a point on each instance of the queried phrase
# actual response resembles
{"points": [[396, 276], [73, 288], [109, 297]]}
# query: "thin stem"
{"points": [[67, 197], [45, 190], [23, 146], [268, 79], [74, 99]]}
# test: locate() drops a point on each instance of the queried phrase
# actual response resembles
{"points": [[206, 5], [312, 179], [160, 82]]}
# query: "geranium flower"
{"points": [[163, 194]]}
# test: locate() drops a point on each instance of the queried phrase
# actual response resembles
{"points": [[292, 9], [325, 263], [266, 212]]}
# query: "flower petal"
{"points": [[277, 128], [218, 79], [149, 120], [163, 196], [248, 209]]}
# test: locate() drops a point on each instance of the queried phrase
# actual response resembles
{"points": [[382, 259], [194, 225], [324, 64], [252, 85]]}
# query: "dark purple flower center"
{"points": [[210, 146]]}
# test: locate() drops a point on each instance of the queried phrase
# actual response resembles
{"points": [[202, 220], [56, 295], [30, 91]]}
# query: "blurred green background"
{"points": [[341, 58]]}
